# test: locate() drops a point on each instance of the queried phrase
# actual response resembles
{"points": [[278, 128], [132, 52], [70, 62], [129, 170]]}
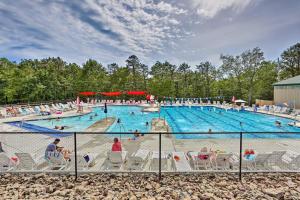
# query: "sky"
{"points": [[178, 31]]}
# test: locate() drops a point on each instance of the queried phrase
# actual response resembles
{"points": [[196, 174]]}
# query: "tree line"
{"points": [[248, 76]]}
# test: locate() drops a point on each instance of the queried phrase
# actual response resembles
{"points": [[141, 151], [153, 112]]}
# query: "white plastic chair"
{"points": [[116, 159], [181, 165], [5, 163], [56, 161], [26, 162], [138, 159]]}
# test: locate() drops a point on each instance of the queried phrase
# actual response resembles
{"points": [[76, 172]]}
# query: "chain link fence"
{"points": [[93, 152]]}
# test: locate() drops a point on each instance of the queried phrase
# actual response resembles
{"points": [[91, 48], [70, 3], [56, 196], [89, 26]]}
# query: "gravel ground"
{"points": [[146, 186]]}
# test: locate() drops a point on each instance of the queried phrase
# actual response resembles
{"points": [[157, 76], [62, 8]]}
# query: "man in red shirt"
{"points": [[116, 145]]}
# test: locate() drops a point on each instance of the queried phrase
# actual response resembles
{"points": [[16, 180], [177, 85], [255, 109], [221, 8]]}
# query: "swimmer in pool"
{"points": [[91, 117], [147, 124], [277, 123]]}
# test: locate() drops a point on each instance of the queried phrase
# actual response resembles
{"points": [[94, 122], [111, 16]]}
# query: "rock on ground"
{"points": [[146, 186]]}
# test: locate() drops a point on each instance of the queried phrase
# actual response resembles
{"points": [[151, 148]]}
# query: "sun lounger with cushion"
{"points": [[26, 162], [180, 162], [155, 160], [138, 159]]}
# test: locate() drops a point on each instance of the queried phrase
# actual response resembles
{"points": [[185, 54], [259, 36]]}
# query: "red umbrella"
{"points": [[136, 93], [87, 93], [111, 93]]}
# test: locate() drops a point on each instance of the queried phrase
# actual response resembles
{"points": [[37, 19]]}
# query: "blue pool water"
{"points": [[181, 119]]}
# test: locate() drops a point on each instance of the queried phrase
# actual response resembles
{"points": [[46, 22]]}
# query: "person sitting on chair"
{"points": [[116, 145]]}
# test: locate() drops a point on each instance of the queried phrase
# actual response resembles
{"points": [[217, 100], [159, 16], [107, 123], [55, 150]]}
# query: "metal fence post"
{"points": [[75, 152], [241, 149], [159, 155]]}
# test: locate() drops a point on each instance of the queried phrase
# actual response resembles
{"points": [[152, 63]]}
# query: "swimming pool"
{"points": [[180, 119]]}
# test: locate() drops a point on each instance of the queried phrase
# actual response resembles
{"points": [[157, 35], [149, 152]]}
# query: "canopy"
{"points": [[136, 93], [87, 93], [111, 93], [240, 101]]}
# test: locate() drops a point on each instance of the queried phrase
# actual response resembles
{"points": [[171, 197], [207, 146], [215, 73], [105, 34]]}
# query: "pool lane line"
{"points": [[173, 120], [258, 136], [203, 119], [234, 118], [216, 119], [229, 115], [184, 117]]}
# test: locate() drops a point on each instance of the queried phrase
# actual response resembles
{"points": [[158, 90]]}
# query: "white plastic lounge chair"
{"points": [[197, 162], [155, 160], [138, 159], [261, 160], [116, 159], [223, 161], [275, 160], [181, 165], [82, 164], [5, 163], [21, 111], [295, 163], [56, 161], [56, 108], [26, 162]]}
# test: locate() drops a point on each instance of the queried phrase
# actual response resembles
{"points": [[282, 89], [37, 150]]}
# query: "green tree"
{"points": [[290, 62]]}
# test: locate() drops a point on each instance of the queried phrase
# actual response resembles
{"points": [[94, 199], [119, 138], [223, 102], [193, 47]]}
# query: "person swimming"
{"points": [[147, 124], [132, 113], [91, 117], [60, 127], [278, 123], [96, 114], [119, 121]]}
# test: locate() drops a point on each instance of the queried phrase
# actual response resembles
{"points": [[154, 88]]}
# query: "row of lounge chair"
{"points": [[55, 161], [143, 160], [37, 110], [182, 162]]}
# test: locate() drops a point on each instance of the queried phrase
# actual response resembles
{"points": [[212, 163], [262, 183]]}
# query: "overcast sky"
{"points": [[175, 30]]}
